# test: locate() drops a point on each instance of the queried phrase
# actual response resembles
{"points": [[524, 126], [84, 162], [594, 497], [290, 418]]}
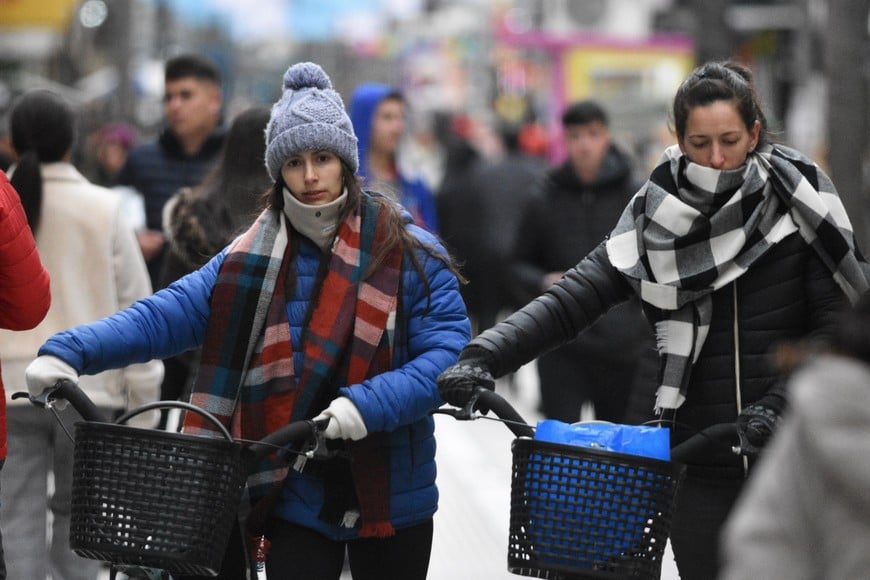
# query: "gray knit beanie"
{"points": [[309, 116]]}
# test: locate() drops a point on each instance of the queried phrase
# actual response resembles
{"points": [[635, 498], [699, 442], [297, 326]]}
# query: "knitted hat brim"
{"points": [[310, 137]]}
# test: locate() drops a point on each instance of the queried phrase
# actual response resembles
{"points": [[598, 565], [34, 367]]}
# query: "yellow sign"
{"points": [[604, 72], [54, 14]]}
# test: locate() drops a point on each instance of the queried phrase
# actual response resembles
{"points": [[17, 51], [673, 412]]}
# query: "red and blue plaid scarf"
{"points": [[246, 376]]}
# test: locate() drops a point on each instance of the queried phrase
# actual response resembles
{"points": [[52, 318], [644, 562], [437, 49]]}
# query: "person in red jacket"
{"points": [[24, 287]]}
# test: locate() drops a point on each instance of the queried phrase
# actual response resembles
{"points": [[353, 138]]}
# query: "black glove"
{"points": [[458, 382], [755, 426]]}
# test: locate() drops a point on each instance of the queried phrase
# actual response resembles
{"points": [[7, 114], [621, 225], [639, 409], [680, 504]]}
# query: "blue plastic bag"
{"points": [[654, 442]]}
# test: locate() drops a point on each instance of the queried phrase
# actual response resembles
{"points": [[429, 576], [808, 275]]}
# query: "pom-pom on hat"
{"points": [[309, 116]]}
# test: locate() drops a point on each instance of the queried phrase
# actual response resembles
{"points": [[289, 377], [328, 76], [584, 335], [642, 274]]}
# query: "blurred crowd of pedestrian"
{"points": [[641, 295]]}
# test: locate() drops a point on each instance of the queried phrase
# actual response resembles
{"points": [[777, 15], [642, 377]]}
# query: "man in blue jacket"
{"points": [[183, 152], [180, 157]]}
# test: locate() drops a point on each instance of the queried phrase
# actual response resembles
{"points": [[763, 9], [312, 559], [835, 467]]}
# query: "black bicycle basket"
{"points": [[578, 512], [153, 498]]}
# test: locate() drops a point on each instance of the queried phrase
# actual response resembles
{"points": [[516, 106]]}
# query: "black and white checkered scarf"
{"points": [[691, 230]]}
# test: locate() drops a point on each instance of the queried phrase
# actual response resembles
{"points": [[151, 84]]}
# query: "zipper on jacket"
{"points": [[738, 397]]}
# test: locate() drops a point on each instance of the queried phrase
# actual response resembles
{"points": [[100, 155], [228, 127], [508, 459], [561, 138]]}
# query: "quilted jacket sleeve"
{"points": [[164, 324], [583, 295], [24, 283]]}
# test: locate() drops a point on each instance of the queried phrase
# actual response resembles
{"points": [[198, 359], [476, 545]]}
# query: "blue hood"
{"points": [[363, 102]]}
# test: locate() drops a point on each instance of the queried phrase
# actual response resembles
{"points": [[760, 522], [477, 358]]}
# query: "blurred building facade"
{"points": [[521, 58]]}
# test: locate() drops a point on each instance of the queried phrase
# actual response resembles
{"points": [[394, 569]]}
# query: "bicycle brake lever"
{"points": [[465, 413], [41, 400]]}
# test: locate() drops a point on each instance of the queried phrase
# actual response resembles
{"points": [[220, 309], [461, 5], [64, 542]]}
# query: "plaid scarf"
{"points": [[691, 230], [246, 377]]}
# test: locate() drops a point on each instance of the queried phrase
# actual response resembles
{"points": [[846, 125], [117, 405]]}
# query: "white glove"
{"points": [[345, 422], [45, 371]]}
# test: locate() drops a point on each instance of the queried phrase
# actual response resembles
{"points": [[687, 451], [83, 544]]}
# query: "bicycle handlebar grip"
{"points": [[720, 433], [66, 389], [503, 410], [290, 433]]}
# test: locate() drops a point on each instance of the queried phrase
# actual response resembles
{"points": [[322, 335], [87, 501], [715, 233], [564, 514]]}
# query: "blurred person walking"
{"points": [[733, 244], [109, 147], [185, 150], [575, 209], [805, 514], [378, 113], [71, 219], [331, 305], [180, 157], [504, 186], [25, 292], [457, 204], [200, 221]]}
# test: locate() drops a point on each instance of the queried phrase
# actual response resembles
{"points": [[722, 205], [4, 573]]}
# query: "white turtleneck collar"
{"points": [[315, 222]]}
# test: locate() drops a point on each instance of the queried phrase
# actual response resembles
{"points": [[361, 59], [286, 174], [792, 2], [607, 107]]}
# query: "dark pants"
{"points": [[702, 507], [234, 561], [298, 552]]}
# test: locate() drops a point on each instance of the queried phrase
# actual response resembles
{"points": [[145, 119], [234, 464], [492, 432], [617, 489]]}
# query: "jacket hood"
{"points": [[363, 103]]}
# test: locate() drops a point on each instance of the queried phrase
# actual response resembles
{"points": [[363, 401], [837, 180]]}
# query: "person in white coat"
{"points": [[96, 268]]}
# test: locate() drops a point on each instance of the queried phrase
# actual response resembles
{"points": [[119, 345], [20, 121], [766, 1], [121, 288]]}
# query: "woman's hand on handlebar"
{"points": [[458, 383], [45, 372], [43, 375]]}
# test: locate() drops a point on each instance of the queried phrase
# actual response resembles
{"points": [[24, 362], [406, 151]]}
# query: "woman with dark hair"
{"points": [[96, 268], [331, 305], [733, 244], [199, 222]]}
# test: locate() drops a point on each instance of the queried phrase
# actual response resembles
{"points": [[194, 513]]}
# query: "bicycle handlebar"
{"points": [[718, 434], [484, 399], [295, 432], [65, 389]]}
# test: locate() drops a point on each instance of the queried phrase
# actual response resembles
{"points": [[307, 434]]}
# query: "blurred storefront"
{"points": [[516, 59], [550, 54]]}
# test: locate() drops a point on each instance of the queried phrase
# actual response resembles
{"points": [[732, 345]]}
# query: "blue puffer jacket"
{"points": [[436, 328]]}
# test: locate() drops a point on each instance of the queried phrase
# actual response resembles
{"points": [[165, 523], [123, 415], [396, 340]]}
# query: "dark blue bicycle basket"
{"points": [[578, 512], [145, 497]]}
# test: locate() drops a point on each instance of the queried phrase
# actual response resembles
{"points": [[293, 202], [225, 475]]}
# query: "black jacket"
{"points": [[568, 219], [787, 294], [566, 222]]}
